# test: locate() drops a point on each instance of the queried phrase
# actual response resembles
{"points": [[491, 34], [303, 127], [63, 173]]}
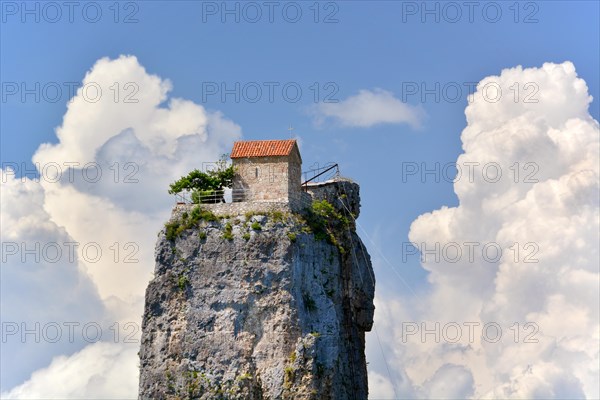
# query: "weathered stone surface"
{"points": [[274, 313], [337, 192]]}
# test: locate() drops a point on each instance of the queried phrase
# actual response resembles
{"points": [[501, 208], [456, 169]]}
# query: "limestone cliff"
{"points": [[262, 305]]}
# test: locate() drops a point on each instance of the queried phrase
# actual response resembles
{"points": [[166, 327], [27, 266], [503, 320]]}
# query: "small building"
{"points": [[267, 171]]}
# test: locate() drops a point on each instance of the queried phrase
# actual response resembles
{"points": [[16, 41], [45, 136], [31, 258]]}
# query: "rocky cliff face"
{"points": [[266, 306]]}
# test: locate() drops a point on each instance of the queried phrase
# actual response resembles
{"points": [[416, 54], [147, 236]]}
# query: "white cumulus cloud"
{"points": [[538, 280], [99, 371], [116, 159], [39, 284]]}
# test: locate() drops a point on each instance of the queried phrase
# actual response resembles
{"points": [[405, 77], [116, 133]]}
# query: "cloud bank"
{"points": [[550, 206], [541, 289], [103, 187]]}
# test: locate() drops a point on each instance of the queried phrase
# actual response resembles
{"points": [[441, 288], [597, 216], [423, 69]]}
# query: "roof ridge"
{"points": [[265, 140], [263, 148]]}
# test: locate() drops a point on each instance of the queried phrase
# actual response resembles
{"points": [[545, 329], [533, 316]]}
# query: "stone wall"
{"points": [[341, 193], [241, 208], [268, 178]]}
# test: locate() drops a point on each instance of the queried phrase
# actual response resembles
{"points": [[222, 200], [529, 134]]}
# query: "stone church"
{"points": [[267, 171]]}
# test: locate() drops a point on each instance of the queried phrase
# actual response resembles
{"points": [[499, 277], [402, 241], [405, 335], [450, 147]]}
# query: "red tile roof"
{"points": [[263, 148]]}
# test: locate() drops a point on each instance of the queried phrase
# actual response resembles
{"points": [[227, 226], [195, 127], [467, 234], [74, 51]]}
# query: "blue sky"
{"points": [[376, 46], [369, 47]]}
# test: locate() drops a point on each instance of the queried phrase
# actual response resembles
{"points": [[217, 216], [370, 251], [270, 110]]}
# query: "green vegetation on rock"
{"points": [[174, 228], [228, 234], [326, 223]]}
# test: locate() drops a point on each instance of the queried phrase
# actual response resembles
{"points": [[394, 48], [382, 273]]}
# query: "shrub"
{"points": [[171, 230], [200, 214], [244, 377], [256, 226], [182, 282], [291, 236], [202, 235], [246, 236], [324, 209], [228, 234], [288, 377], [324, 220], [175, 228], [277, 216], [196, 212]]}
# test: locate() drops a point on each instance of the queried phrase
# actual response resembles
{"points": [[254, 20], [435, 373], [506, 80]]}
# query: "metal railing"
{"points": [[214, 196], [321, 174], [316, 175]]}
